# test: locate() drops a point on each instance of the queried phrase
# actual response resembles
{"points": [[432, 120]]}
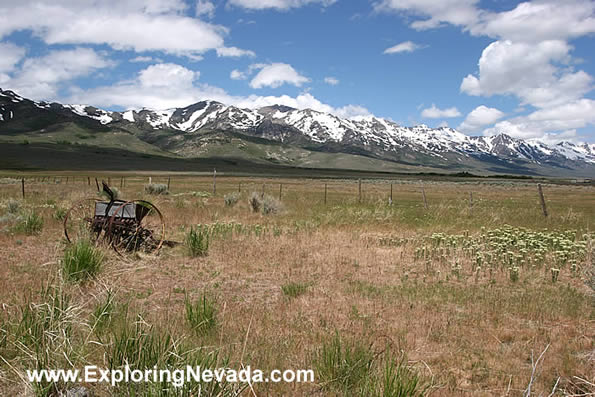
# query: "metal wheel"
{"points": [[144, 232], [80, 222]]}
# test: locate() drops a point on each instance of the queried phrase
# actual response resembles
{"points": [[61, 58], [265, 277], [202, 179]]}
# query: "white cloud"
{"points": [[351, 111], [434, 113], [565, 19], [42, 77], [480, 117], [456, 12], [167, 75], [528, 71], [276, 74], [539, 20], [553, 122], [165, 86], [205, 7], [331, 80], [281, 5], [143, 59], [234, 52], [237, 75], [406, 46], [156, 25], [530, 59], [10, 56]]}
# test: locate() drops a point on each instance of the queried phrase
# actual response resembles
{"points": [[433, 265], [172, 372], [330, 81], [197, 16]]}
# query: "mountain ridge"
{"points": [[443, 147]]}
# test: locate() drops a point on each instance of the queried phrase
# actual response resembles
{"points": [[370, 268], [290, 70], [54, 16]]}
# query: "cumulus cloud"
{"points": [[155, 25], [42, 77], [276, 74], [480, 117], [553, 122], [406, 46], [435, 13], [11, 55], [331, 80], [435, 113], [528, 71], [164, 86], [530, 58], [280, 5], [536, 21]]}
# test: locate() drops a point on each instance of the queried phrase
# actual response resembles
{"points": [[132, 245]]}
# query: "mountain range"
{"points": [[282, 135]]}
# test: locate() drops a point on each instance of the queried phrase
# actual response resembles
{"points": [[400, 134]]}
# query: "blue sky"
{"points": [[483, 67]]}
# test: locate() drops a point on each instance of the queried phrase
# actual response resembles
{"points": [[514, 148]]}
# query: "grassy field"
{"points": [[378, 298]]}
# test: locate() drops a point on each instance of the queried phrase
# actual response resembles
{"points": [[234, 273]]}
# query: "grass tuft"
{"points": [[82, 260], [30, 223], [341, 365], [201, 314], [197, 242], [293, 289]]}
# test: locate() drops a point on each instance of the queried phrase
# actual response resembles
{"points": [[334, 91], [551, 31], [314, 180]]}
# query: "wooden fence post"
{"points": [[122, 182], [542, 200], [391, 194], [359, 181], [239, 187], [23, 187], [423, 193], [97, 184], [280, 190], [168, 182], [214, 181], [262, 194], [325, 194], [88, 181]]}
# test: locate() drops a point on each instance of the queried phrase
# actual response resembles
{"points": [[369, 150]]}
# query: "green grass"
{"points": [[396, 380], [293, 289], [197, 242], [201, 315], [342, 365], [81, 261], [29, 223]]}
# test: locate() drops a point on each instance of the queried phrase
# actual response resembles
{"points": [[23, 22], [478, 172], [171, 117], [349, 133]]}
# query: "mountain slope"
{"points": [[209, 127]]}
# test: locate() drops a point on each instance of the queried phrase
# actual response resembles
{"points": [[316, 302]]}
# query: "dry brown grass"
{"points": [[469, 335]]}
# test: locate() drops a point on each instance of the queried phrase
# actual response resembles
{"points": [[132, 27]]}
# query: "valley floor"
{"points": [[377, 298]]}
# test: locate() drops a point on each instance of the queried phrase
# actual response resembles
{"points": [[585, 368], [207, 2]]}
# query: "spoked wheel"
{"points": [[142, 231], [80, 222]]}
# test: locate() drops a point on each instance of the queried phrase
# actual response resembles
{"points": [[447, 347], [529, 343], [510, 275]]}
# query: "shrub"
{"points": [[342, 365], [156, 188], [197, 242], [293, 289], [201, 315], [265, 204], [231, 199], [255, 201], [30, 223], [13, 206], [82, 260]]}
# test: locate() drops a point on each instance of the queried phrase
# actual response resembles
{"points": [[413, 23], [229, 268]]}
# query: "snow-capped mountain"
{"points": [[369, 135], [285, 124]]}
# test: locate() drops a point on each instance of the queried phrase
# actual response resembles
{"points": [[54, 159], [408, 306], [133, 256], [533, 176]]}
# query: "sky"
{"points": [[482, 67]]}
